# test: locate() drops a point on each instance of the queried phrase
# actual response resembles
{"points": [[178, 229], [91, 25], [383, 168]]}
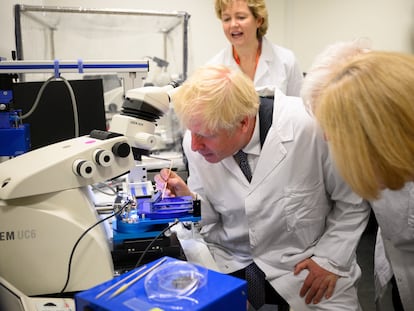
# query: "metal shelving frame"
{"points": [[37, 14]]}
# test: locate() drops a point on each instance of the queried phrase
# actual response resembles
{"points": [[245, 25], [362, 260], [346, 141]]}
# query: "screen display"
{"points": [[53, 119]]}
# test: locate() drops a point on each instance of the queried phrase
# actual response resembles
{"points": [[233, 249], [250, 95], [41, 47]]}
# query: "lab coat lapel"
{"points": [[273, 150], [230, 164], [272, 154], [263, 68]]}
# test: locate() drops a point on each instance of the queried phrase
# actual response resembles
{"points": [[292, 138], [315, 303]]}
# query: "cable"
{"points": [[72, 97], [153, 240], [83, 235], [104, 185], [75, 108]]}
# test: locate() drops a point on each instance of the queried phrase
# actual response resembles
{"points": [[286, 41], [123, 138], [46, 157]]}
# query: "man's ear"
{"points": [[245, 123]]}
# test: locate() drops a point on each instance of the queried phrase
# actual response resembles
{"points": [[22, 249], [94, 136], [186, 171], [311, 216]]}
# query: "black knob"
{"points": [[83, 168], [103, 157], [121, 149]]}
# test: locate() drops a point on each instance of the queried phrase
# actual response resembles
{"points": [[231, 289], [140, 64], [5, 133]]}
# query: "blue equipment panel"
{"points": [[220, 292], [14, 140]]}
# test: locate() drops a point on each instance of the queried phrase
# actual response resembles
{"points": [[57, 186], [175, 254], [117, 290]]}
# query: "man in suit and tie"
{"points": [[280, 211]]}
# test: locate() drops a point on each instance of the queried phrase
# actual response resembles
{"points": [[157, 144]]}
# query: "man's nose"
{"points": [[196, 142]]}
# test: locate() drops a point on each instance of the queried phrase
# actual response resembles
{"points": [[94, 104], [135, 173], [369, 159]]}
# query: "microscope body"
{"points": [[46, 204], [45, 207]]}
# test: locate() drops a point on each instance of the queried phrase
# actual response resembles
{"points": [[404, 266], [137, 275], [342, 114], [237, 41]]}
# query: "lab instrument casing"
{"points": [[221, 292], [50, 236]]}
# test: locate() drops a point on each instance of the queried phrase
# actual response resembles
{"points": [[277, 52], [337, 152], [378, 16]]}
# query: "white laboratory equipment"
{"points": [[46, 204]]}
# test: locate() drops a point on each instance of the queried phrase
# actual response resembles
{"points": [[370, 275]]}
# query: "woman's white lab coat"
{"points": [[277, 67], [295, 207], [394, 253]]}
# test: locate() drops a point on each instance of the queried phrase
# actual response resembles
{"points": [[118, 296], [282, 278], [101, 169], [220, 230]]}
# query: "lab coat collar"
{"points": [[253, 147], [273, 150], [265, 57]]}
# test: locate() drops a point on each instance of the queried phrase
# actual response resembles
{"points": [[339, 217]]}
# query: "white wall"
{"points": [[313, 24], [7, 43], [305, 26]]}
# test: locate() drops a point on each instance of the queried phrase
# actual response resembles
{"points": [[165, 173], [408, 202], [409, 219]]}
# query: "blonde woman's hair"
{"points": [[257, 7], [367, 113], [218, 95]]}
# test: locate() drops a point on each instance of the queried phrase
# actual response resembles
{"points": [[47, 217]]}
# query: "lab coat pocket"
{"points": [[305, 211]]}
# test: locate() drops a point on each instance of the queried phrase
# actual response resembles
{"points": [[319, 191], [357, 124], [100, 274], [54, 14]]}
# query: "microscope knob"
{"points": [[121, 149], [103, 157], [84, 168]]}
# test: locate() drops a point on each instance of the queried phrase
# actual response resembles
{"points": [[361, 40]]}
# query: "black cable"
{"points": [[152, 242], [83, 235]]}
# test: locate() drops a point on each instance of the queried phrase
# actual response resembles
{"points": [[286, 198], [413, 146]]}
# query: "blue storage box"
{"points": [[168, 287]]}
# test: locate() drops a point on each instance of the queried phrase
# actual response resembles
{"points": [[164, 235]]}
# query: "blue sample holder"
{"points": [[220, 292], [158, 214]]}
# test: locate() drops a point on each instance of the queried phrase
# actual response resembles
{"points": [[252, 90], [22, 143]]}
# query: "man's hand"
{"points": [[318, 283], [171, 183]]}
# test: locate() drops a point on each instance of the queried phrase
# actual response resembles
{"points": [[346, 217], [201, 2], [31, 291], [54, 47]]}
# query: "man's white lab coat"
{"points": [[295, 207]]}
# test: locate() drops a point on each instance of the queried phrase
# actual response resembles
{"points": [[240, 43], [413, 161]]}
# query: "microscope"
{"points": [[46, 204]]}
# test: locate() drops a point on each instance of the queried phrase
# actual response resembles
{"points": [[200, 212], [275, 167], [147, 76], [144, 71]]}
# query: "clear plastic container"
{"points": [[174, 280]]}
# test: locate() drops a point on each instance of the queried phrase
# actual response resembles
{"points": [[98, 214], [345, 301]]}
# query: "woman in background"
{"points": [[363, 101], [245, 23]]}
